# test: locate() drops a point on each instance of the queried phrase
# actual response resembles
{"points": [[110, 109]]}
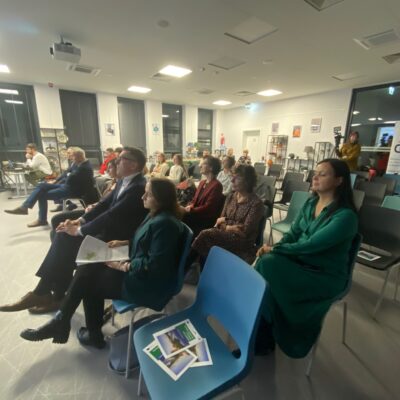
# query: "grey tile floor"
{"points": [[367, 368]]}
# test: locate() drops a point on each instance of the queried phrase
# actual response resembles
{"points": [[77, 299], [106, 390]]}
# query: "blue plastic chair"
{"points": [[392, 202], [230, 291], [121, 306], [296, 203]]}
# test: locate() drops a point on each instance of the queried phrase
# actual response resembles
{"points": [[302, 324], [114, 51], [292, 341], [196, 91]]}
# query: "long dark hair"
{"points": [[164, 192], [343, 193]]}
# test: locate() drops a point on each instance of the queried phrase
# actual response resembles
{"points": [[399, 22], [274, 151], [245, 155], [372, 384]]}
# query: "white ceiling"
{"points": [[122, 38]]}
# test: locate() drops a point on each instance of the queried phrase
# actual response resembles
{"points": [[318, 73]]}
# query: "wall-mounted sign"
{"points": [[155, 128]]}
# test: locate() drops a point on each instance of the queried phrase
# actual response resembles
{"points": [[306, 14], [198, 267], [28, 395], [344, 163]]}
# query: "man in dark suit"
{"points": [[76, 184], [115, 217]]}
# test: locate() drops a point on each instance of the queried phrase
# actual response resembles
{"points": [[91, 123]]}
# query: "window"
{"points": [[172, 128], [204, 134], [18, 121]]}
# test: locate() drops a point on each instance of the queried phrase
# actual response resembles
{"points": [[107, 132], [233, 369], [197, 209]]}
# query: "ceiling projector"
{"points": [[65, 51]]}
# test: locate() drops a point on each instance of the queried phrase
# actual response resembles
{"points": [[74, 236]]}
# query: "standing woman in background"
{"points": [[350, 151]]}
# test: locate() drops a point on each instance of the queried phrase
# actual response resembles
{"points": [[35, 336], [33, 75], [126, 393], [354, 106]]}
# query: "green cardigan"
{"points": [[306, 270], [155, 253]]}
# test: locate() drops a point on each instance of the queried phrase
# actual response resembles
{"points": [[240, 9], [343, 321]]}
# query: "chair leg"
{"points": [[344, 322], [129, 348], [139, 388], [380, 298]]}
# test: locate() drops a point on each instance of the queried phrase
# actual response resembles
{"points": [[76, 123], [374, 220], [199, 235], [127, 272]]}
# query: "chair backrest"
{"points": [[380, 227], [233, 293], [261, 226], [389, 182], [260, 168], [275, 170], [292, 176], [392, 202], [353, 178], [358, 198], [293, 186], [296, 203], [310, 175], [265, 188], [396, 177], [196, 172], [187, 241], [374, 192]]}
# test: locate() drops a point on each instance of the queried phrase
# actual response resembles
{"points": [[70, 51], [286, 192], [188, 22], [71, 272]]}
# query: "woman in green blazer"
{"points": [[308, 268], [148, 279]]}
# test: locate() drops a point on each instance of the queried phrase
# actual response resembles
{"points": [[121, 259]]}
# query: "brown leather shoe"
{"points": [[37, 223], [18, 211], [28, 301], [46, 308]]}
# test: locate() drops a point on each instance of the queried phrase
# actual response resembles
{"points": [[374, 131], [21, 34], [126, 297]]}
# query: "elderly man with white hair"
{"points": [[75, 185]]}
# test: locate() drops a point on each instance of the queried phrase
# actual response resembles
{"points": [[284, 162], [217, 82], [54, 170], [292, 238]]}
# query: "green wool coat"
{"points": [[306, 270], [155, 252]]}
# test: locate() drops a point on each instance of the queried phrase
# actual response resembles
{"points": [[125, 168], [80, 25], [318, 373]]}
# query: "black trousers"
{"points": [[92, 283], [61, 217]]}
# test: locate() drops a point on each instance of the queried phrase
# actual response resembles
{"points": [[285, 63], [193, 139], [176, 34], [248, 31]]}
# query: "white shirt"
{"points": [[125, 182], [176, 173], [226, 181], [39, 162]]}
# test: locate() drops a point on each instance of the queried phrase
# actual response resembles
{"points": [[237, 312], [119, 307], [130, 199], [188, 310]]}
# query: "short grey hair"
{"points": [[78, 150]]}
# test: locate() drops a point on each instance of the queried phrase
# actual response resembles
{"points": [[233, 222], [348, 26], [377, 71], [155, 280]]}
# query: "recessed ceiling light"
{"points": [[14, 101], [177, 72], [269, 92], [379, 119], [165, 116], [390, 122], [372, 119], [355, 124], [9, 91], [177, 111], [355, 112], [139, 89], [4, 68], [222, 102]]}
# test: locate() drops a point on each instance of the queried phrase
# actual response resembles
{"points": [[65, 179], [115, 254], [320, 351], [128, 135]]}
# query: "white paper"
{"points": [[176, 338], [93, 250], [174, 366], [368, 256], [202, 352]]}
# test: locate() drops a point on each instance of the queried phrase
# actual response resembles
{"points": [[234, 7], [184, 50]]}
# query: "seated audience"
{"points": [[108, 156], [202, 212], [115, 217], [37, 164], [237, 228], [178, 171], [225, 175], [308, 267], [76, 184], [245, 158], [229, 153], [118, 151], [148, 279], [161, 169]]}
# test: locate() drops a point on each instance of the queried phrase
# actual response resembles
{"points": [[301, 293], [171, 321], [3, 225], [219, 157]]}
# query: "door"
{"points": [[252, 142]]}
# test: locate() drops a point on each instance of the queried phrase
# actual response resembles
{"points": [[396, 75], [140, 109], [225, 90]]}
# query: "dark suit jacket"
{"points": [[80, 179], [155, 254], [117, 219], [62, 178]]}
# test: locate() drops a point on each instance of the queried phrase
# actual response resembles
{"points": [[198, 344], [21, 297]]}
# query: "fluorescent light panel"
{"points": [[177, 72], [139, 89], [4, 69], [165, 116], [390, 122], [9, 91], [14, 101], [222, 102], [356, 112], [269, 92], [355, 124]]}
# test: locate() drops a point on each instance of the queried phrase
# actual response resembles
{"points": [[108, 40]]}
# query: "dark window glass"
{"points": [[172, 128], [204, 134]]}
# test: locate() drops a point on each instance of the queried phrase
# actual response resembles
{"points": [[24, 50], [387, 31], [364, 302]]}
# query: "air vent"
{"points": [[226, 63], [392, 58], [162, 77], [379, 39], [84, 69], [322, 4], [205, 91], [243, 93], [347, 77]]}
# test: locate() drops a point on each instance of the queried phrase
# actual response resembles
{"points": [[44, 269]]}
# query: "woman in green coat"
{"points": [[308, 268], [148, 279]]}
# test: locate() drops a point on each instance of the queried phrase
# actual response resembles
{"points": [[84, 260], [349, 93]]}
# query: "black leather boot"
{"points": [[93, 339], [57, 329]]}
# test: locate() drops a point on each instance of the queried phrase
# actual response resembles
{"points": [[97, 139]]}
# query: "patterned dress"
{"points": [[249, 214]]}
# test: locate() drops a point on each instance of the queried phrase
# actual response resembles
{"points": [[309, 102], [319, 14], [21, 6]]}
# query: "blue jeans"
{"points": [[43, 192]]}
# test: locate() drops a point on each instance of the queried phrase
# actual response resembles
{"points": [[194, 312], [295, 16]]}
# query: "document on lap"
{"points": [[93, 250]]}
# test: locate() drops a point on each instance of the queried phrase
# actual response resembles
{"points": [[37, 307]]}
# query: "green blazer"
{"points": [[155, 253]]}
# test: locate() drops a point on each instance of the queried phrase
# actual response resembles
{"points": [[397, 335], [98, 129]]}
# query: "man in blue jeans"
{"points": [[77, 182]]}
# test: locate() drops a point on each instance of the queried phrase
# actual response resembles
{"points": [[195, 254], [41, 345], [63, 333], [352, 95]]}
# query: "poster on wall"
{"points": [[110, 129], [296, 131], [275, 128], [394, 156], [316, 125], [155, 128]]}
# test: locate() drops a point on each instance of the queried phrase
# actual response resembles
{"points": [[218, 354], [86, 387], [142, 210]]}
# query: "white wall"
{"points": [[48, 107], [107, 110], [332, 107], [153, 117]]}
